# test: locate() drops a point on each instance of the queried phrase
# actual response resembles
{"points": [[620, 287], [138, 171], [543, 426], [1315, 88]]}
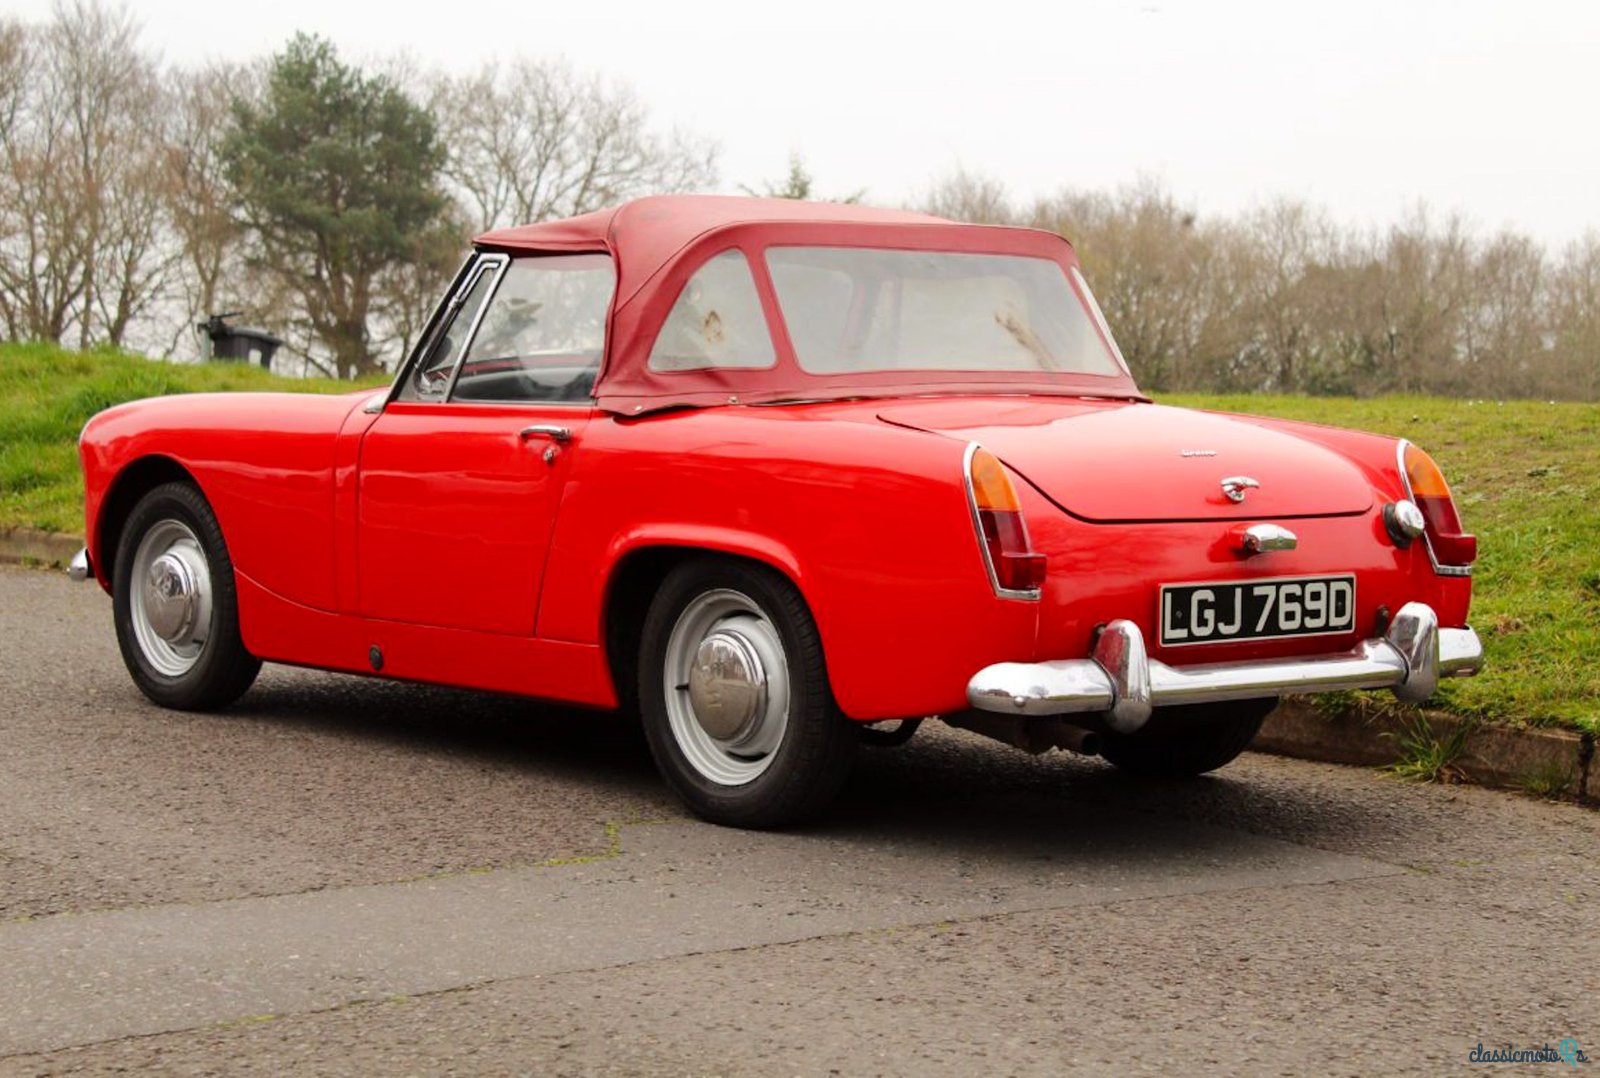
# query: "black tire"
{"points": [[1181, 742], [804, 772], [223, 669]]}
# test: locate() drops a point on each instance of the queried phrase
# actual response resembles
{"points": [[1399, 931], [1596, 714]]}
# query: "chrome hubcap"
{"points": [[727, 687], [170, 597]]}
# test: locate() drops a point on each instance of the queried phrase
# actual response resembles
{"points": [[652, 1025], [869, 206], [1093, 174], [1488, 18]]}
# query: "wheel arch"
{"points": [[636, 575], [134, 481]]}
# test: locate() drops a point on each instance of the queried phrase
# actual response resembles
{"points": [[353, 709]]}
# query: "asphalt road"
{"points": [[346, 876]]}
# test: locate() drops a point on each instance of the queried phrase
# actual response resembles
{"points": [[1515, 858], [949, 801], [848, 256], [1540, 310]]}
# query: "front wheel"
{"points": [[1180, 742], [735, 698], [174, 603]]}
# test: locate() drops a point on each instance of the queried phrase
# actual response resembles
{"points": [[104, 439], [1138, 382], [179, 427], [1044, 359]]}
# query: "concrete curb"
{"points": [[1556, 762], [33, 545]]}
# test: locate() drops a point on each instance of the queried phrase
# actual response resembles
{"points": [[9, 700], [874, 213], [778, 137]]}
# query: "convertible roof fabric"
{"points": [[645, 234], [651, 230], [657, 242]]}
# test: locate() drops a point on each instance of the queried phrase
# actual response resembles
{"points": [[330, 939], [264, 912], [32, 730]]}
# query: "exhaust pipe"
{"points": [[1031, 735], [1078, 739]]}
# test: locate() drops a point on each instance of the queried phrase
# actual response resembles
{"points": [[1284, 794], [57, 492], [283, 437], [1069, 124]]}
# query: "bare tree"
{"points": [[409, 290], [1427, 292], [211, 275], [1574, 324], [1290, 240], [1503, 328], [1281, 299], [535, 140], [109, 92], [81, 244], [42, 246], [1149, 264], [971, 197]]}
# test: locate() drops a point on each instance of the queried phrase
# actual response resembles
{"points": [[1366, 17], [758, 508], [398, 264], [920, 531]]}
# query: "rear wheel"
{"points": [[1180, 742], [735, 698], [174, 603]]}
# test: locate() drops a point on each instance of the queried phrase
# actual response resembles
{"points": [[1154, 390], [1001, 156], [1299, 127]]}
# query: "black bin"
{"points": [[238, 344]]}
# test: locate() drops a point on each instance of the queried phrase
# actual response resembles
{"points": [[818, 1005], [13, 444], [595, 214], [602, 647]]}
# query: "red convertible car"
{"points": [[779, 476]]}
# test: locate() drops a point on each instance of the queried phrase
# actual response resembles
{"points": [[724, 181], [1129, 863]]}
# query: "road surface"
{"points": [[349, 876]]}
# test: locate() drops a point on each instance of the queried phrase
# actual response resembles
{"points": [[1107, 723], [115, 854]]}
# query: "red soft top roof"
{"points": [[646, 237], [673, 220]]}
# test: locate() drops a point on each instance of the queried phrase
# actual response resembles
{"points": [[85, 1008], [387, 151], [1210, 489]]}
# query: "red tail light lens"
{"points": [[1014, 569], [1451, 547]]}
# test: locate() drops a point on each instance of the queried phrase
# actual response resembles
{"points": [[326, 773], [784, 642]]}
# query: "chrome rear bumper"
{"points": [[1122, 680], [80, 569]]}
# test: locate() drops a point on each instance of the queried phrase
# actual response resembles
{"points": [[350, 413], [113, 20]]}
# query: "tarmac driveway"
{"points": [[347, 876]]}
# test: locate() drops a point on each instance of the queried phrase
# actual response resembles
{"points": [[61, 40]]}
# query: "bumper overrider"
{"points": [[1125, 684]]}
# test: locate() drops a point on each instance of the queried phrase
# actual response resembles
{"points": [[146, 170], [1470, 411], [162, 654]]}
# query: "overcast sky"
{"points": [[1487, 108]]}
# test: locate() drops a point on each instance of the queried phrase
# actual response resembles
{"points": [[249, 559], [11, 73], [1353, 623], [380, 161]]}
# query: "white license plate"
{"points": [[1221, 611]]}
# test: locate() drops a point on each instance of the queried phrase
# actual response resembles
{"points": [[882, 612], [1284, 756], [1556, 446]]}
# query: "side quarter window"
{"points": [[429, 378], [717, 321]]}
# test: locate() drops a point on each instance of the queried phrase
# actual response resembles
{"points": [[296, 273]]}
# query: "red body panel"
{"points": [[867, 517], [277, 629], [455, 512], [265, 461], [1122, 461], [870, 522]]}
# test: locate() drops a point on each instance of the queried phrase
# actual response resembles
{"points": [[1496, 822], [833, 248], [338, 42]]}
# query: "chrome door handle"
{"points": [[545, 430]]}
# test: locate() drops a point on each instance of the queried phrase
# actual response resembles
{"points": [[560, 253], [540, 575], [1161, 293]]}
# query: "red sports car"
{"points": [[778, 476]]}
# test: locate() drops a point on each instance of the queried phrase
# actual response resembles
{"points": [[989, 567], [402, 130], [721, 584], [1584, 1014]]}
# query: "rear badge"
{"points": [[1197, 452]]}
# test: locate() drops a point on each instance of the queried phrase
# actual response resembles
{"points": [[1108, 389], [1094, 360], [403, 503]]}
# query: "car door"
{"points": [[461, 475]]}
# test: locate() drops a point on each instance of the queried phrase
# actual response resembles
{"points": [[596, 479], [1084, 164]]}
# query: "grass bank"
{"points": [[1526, 473], [46, 396]]}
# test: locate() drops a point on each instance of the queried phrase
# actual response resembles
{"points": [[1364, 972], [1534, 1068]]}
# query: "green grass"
{"points": [[1526, 475], [1424, 755], [46, 396]]}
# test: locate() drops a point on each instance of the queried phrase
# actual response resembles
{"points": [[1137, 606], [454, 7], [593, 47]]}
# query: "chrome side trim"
{"points": [[1427, 541], [426, 339], [487, 263], [1031, 594], [80, 568], [1124, 684]]}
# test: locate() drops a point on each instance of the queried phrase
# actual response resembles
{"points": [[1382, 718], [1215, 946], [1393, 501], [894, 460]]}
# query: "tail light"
{"points": [[1015, 571], [1452, 550]]}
